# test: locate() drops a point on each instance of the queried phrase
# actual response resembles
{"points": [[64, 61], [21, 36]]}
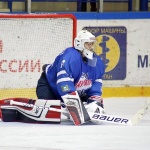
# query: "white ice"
{"points": [[66, 136]]}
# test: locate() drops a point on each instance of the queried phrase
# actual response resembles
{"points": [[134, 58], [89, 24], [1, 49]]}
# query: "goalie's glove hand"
{"points": [[95, 105], [96, 98]]}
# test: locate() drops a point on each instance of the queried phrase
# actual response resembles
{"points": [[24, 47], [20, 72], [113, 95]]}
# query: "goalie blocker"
{"points": [[30, 111]]}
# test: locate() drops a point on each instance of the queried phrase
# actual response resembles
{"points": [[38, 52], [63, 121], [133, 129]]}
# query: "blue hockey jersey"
{"points": [[70, 72]]}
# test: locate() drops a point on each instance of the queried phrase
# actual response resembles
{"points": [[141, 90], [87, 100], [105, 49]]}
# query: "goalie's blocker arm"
{"points": [[76, 108]]}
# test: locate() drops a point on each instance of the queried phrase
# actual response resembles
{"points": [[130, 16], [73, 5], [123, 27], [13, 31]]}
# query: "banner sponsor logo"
{"points": [[18, 66], [111, 47], [1, 46], [14, 65], [143, 61]]}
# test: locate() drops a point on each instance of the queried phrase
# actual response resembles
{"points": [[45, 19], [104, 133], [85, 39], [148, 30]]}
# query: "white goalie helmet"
{"points": [[79, 43]]}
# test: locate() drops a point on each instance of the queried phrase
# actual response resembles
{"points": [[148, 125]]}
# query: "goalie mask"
{"points": [[85, 42]]}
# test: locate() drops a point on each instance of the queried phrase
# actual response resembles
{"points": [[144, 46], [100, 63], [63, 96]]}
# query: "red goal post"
{"points": [[27, 41]]}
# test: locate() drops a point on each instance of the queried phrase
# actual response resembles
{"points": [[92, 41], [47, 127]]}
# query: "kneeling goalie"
{"points": [[74, 78]]}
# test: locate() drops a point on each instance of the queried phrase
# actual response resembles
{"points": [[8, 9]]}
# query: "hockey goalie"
{"points": [[74, 78], [46, 111]]}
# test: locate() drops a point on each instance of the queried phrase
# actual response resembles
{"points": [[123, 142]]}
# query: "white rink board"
{"points": [[138, 39], [32, 54]]}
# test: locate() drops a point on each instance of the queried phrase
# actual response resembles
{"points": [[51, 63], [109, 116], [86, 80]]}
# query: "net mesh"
{"points": [[25, 45]]}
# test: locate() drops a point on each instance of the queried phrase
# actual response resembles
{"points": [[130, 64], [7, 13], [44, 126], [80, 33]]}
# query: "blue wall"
{"points": [[110, 15]]}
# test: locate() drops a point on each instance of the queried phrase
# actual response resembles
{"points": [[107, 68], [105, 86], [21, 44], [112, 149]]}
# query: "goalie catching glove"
{"points": [[95, 104]]}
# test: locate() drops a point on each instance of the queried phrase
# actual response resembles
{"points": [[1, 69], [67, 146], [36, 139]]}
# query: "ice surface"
{"points": [[66, 136]]}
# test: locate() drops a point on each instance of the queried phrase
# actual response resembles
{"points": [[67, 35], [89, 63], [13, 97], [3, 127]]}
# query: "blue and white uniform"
{"points": [[70, 73]]}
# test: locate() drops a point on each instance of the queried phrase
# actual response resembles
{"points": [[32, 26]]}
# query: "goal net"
{"points": [[26, 43]]}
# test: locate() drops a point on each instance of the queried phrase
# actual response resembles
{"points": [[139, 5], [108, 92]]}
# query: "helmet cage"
{"points": [[79, 43]]}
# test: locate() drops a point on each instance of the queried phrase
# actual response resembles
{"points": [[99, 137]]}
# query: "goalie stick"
{"points": [[140, 113]]}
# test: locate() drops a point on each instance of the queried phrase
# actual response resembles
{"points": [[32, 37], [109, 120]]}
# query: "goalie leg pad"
{"points": [[9, 115], [38, 111]]}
